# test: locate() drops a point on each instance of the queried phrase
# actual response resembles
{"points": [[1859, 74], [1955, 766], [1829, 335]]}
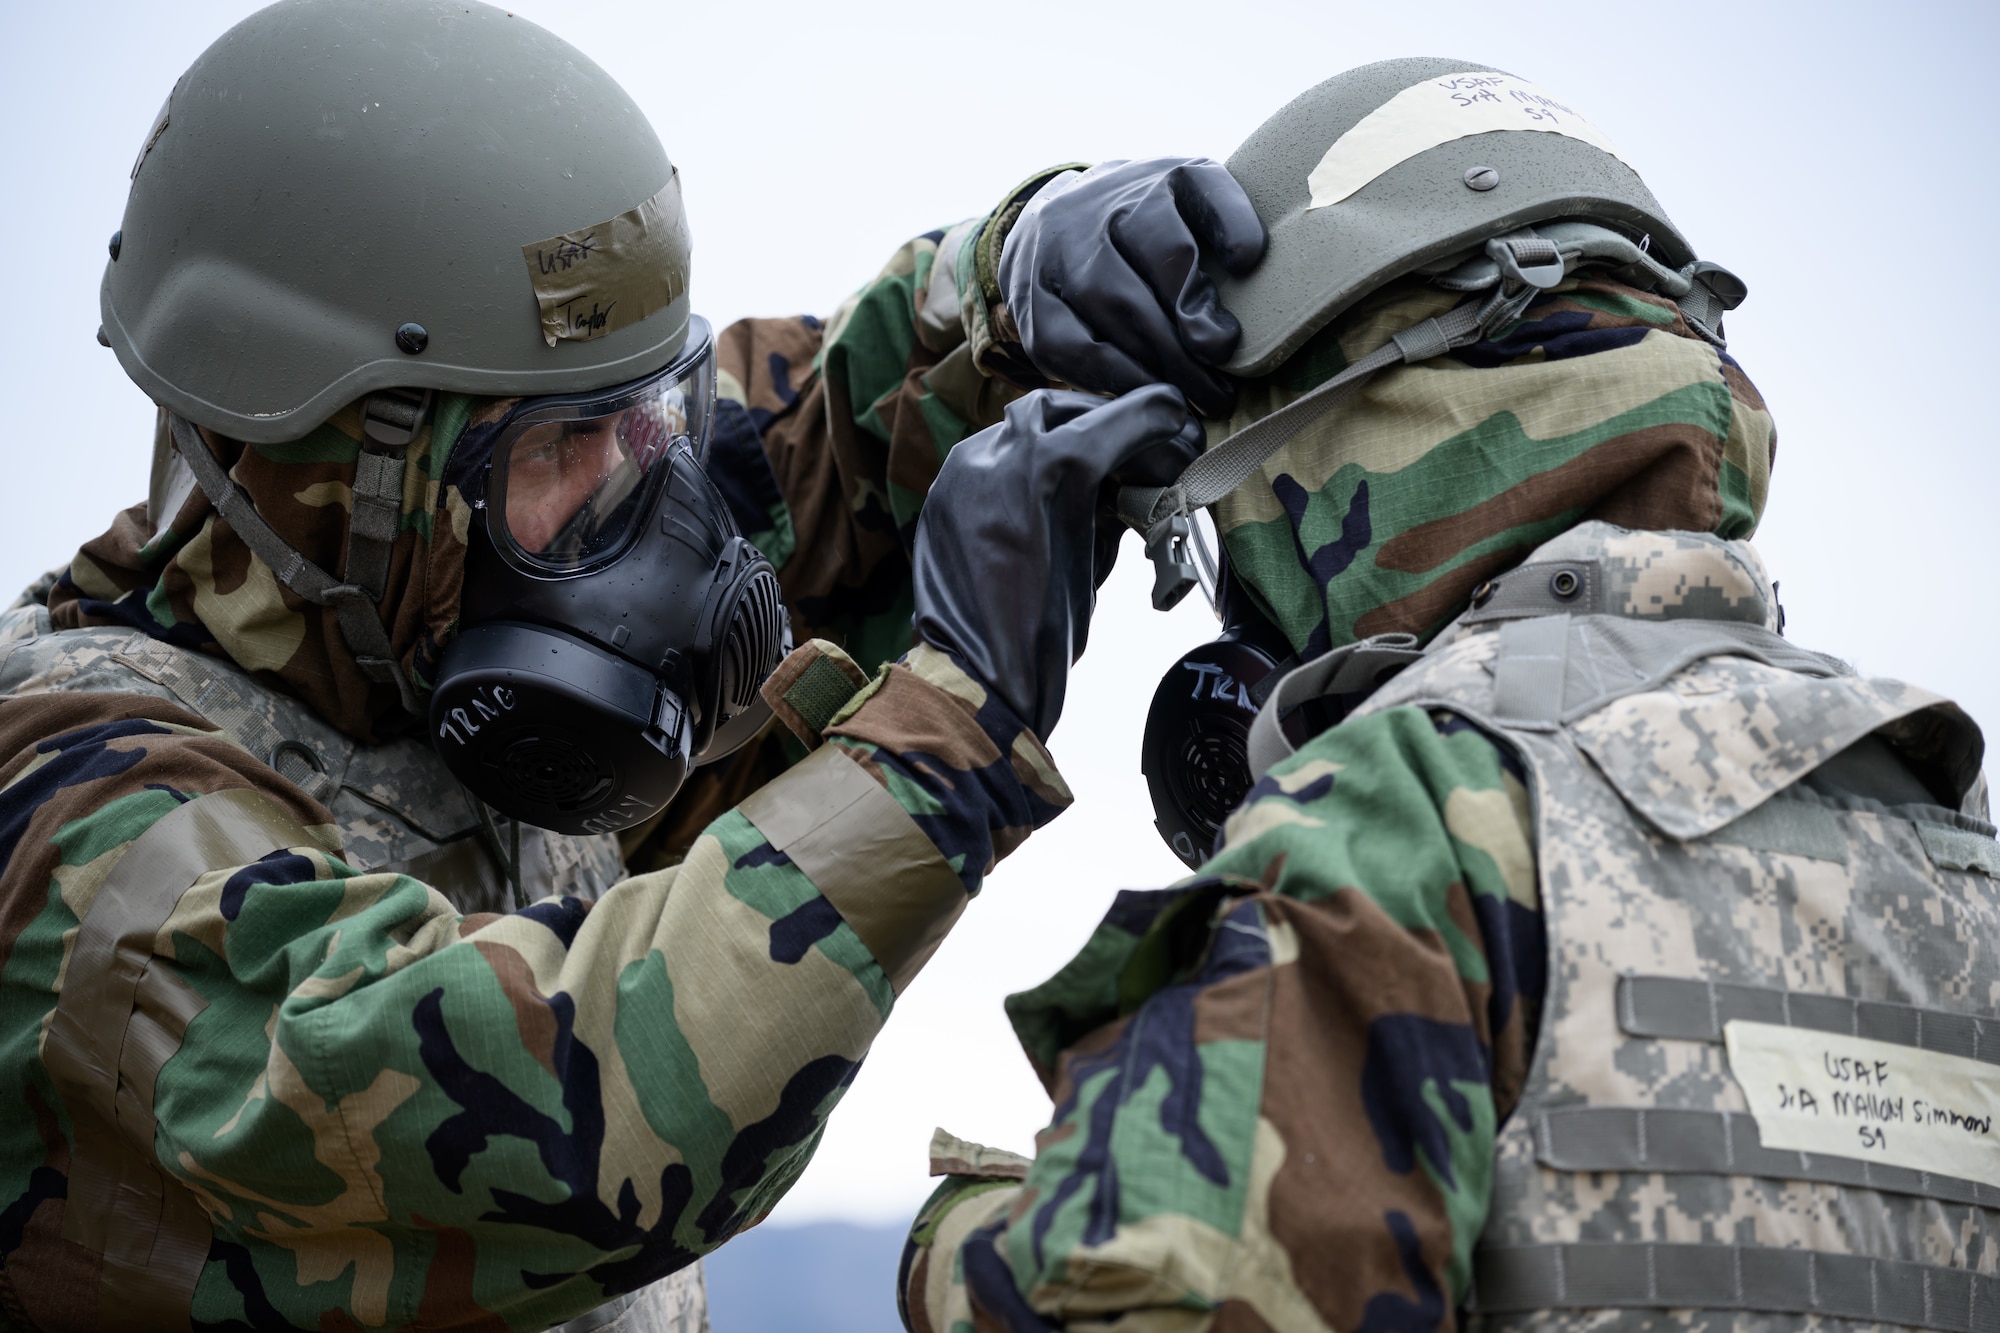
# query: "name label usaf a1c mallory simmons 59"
{"points": [[1438, 111], [1878, 1101], [598, 279]]}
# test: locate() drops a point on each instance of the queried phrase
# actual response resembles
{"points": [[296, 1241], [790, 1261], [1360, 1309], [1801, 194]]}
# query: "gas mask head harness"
{"points": [[615, 625]]}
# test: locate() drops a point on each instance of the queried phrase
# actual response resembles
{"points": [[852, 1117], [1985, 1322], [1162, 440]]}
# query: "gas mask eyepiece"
{"points": [[615, 625]]}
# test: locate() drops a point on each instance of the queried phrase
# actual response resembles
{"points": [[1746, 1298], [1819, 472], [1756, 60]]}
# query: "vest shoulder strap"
{"points": [[1615, 685]]}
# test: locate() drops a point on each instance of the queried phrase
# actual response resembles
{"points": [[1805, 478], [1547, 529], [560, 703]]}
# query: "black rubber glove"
{"points": [[1102, 275], [1018, 532]]}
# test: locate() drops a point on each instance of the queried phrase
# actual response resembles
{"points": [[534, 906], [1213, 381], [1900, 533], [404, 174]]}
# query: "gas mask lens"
{"points": [[574, 476]]}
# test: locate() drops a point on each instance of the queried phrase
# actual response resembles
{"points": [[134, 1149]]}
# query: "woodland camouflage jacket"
{"points": [[1392, 862], [254, 1088]]}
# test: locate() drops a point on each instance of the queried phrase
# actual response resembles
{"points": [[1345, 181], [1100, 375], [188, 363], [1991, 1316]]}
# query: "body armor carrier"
{"points": [[1737, 840]]}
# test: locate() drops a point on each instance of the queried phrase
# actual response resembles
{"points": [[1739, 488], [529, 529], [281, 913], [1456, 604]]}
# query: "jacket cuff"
{"points": [[814, 682], [972, 775], [989, 327]]}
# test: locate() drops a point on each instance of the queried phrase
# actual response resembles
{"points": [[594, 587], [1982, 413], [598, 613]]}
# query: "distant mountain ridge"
{"points": [[829, 1277]]}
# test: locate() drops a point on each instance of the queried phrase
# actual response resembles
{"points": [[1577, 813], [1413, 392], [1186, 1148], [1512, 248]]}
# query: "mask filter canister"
{"points": [[1196, 754]]}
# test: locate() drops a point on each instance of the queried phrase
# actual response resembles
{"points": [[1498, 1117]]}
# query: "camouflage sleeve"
{"points": [[390, 1114], [1277, 1085], [829, 434]]}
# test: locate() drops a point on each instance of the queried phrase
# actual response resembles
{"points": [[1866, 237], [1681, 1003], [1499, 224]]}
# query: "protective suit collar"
{"points": [[183, 575]]}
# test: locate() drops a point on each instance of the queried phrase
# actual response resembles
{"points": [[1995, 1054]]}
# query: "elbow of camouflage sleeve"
{"points": [[979, 1190], [971, 775], [932, 1294], [996, 343]]}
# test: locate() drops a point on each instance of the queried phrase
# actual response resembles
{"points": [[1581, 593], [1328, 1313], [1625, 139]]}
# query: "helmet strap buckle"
{"points": [[390, 420], [1527, 261], [1173, 570], [1503, 307]]}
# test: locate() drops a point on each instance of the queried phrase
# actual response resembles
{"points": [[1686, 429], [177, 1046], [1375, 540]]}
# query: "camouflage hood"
{"points": [[1385, 514], [194, 583]]}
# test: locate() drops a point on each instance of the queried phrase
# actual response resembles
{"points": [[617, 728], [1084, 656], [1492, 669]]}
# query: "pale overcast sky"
{"points": [[1830, 153]]}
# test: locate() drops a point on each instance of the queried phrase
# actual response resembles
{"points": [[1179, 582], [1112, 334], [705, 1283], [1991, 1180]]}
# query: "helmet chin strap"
{"points": [[390, 419], [1161, 513], [369, 534]]}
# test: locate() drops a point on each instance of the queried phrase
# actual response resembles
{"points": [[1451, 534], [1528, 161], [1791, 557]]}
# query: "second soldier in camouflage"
{"points": [[1450, 1027]]}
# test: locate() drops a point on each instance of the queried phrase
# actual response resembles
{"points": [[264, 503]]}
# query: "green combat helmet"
{"points": [[1414, 207], [1386, 169], [342, 196], [1484, 182], [365, 201]]}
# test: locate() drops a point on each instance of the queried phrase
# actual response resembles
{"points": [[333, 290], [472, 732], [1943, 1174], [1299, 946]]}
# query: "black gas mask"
{"points": [[1196, 755], [615, 625]]}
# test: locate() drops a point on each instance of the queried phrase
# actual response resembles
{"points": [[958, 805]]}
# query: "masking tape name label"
{"points": [[598, 279], [1877, 1101], [1437, 111]]}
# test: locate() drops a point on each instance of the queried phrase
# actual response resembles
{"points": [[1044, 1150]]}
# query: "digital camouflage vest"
{"points": [[1764, 1086]]}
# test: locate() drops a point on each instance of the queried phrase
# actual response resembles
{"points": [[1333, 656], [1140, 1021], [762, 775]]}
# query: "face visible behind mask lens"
{"points": [[571, 487]]}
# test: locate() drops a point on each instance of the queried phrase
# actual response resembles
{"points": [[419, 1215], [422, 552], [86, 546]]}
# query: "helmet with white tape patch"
{"points": [[1407, 164]]}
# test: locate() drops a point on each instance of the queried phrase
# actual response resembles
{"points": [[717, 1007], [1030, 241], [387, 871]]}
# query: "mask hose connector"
{"points": [[507, 855]]}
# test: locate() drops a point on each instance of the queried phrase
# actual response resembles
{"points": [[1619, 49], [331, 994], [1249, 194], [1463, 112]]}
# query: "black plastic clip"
{"points": [[1173, 570], [1527, 261]]}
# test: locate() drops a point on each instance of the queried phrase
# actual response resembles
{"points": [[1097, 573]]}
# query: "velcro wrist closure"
{"points": [[811, 686], [993, 237], [989, 328]]}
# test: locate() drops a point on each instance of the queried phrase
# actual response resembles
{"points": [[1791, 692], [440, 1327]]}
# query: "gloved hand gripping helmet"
{"points": [[372, 200]]}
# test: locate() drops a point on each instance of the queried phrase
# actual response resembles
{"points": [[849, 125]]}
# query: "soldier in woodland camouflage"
{"points": [[1455, 1024], [277, 1058]]}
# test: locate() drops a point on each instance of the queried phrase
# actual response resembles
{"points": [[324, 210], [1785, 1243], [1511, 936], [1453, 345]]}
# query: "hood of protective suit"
{"points": [[1386, 513], [189, 579]]}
